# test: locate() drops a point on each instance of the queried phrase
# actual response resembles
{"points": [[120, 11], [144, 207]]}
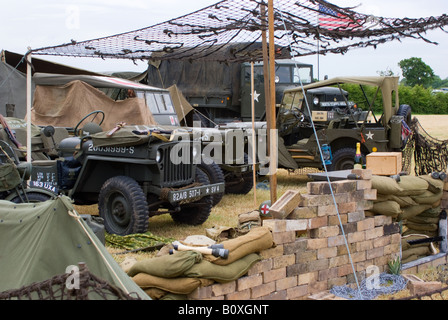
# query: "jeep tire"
{"points": [[123, 206], [344, 159], [215, 175], [195, 213], [240, 183]]}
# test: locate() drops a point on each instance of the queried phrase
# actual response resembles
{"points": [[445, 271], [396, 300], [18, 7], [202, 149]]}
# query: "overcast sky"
{"points": [[37, 24]]}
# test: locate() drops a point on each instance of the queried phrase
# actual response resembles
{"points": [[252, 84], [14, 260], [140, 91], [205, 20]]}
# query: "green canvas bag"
{"points": [[9, 177]]}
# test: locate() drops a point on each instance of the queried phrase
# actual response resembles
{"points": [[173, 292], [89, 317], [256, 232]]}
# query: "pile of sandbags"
{"points": [[415, 202], [175, 275]]}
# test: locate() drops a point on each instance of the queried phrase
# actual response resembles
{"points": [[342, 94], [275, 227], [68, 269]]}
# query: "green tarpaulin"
{"points": [[40, 240]]}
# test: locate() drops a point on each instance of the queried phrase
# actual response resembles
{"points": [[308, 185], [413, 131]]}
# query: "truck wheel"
{"points": [[195, 213], [123, 206], [240, 183], [33, 197], [215, 175], [344, 159]]}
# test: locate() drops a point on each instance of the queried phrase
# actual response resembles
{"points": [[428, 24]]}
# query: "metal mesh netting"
{"points": [[426, 153], [90, 288], [304, 27]]}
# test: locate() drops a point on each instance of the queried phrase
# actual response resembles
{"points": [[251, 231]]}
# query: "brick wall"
{"points": [[311, 254]]}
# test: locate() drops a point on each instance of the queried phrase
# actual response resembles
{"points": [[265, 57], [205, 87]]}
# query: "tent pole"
{"points": [[28, 105], [254, 146], [272, 118]]}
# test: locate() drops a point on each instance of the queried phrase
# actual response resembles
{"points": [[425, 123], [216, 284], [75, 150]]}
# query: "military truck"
{"points": [[221, 92], [318, 125]]}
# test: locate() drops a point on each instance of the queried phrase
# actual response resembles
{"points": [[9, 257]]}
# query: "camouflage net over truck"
{"points": [[303, 27]]}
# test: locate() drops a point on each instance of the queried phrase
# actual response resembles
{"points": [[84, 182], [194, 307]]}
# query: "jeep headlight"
{"points": [[316, 101], [159, 156]]}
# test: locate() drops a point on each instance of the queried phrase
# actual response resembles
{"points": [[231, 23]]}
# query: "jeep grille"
{"points": [[175, 175]]}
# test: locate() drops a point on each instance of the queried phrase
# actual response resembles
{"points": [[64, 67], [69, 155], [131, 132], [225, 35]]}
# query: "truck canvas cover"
{"points": [[65, 105]]}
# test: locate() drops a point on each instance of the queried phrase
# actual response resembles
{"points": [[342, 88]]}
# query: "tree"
{"points": [[416, 72]]}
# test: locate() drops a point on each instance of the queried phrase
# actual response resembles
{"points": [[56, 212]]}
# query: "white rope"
{"points": [[323, 161]]}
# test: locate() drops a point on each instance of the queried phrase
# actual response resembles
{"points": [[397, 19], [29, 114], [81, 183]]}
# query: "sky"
{"points": [[37, 24]]}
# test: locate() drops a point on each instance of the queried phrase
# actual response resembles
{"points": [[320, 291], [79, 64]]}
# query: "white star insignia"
{"points": [[370, 135], [256, 96]]}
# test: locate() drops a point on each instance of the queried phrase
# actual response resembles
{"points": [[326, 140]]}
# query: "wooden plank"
{"points": [[286, 204]]}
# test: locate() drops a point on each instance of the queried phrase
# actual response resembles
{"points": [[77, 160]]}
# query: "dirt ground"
{"points": [[435, 125]]}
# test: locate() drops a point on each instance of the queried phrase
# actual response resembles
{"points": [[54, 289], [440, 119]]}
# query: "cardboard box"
{"points": [[384, 163]]}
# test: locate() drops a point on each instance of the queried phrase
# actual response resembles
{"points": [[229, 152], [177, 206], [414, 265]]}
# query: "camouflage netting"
{"points": [[423, 153], [62, 287], [303, 27]]}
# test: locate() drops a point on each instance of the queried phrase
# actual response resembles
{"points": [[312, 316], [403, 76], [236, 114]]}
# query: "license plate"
{"points": [[197, 192]]}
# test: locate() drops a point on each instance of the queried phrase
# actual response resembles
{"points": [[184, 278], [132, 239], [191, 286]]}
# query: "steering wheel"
{"points": [[298, 114], [94, 114]]}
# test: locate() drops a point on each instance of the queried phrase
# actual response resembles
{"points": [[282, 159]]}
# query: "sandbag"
{"points": [[256, 240], [387, 208], [385, 185], [424, 220], [404, 201], [166, 266], [173, 285], [418, 251], [434, 185], [412, 186], [422, 227], [207, 270], [413, 211], [428, 197], [432, 212]]}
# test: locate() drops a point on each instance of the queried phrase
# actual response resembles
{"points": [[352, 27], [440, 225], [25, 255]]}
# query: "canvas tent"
{"points": [[12, 91], [13, 80], [40, 240]]}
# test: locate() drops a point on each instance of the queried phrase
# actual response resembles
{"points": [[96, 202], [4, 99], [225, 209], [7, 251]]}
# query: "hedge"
{"points": [[421, 100]]}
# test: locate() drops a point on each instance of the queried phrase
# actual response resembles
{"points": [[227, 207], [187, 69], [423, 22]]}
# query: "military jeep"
{"points": [[338, 124], [319, 126], [132, 175]]}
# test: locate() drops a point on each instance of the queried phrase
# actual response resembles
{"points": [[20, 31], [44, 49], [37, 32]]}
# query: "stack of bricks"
{"points": [[317, 246]]}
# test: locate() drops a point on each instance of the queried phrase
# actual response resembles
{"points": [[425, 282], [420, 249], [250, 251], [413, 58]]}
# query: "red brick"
{"points": [[221, 289], [249, 282], [273, 275], [286, 283], [239, 295], [262, 290]]}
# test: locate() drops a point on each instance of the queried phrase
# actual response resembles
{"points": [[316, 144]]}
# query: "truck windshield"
{"points": [[284, 74]]}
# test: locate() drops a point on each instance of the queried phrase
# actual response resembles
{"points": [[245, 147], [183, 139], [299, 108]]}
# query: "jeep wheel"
{"points": [[33, 197], [123, 206], [195, 213], [343, 159], [239, 183], [215, 175]]}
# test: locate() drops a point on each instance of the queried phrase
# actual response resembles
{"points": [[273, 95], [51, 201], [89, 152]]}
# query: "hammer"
{"points": [[215, 251]]}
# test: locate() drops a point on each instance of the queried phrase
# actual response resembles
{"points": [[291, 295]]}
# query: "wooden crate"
{"points": [[384, 163]]}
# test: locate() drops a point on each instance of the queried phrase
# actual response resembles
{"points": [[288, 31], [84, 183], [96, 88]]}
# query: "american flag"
{"points": [[331, 19]]}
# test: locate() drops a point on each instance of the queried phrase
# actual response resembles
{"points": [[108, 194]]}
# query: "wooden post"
{"points": [[28, 106], [254, 142], [272, 118]]}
